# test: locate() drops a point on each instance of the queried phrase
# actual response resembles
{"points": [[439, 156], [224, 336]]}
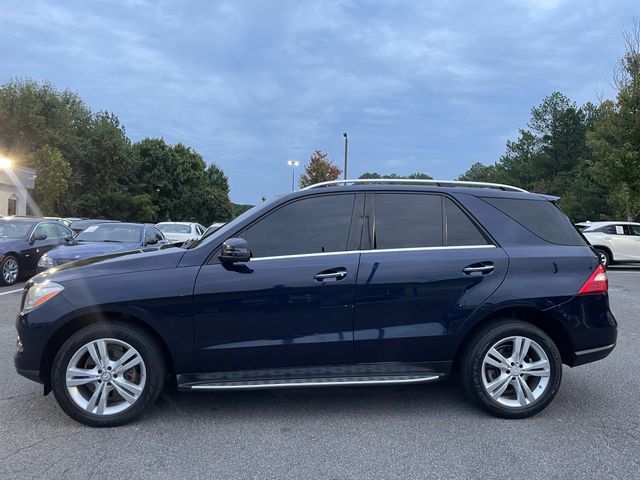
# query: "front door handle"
{"points": [[479, 268], [330, 275]]}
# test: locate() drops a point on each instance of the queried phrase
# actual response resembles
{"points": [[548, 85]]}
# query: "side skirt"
{"points": [[328, 376]]}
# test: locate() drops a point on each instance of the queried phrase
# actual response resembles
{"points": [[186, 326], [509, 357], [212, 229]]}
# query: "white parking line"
{"points": [[11, 291]]}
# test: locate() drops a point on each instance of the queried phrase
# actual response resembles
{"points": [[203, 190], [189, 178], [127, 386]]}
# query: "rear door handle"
{"points": [[483, 269], [330, 275]]}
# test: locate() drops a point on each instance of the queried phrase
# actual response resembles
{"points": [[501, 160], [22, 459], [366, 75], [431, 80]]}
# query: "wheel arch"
{"points": [[605, 247], [543, 320], [89, 318], [15, 255]]}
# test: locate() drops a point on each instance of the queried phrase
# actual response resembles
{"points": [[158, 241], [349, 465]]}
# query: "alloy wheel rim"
{"points": [[105, 376], [516, 372], [10, 270], [603, 259]]}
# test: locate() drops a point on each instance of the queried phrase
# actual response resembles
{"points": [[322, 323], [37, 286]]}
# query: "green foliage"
{"points": [[589, 155], [552, 157], [375, 175], [87, 166], [51, 183], [319, 169], [615, 138], [239, 208], [179, 184]]}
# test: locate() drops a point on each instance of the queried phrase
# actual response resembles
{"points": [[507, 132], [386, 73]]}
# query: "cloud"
{"points": [[418, 86]]}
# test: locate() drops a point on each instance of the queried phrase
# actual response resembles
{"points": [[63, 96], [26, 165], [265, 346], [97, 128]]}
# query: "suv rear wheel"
{"points": [[107, 374], [511, 368]]}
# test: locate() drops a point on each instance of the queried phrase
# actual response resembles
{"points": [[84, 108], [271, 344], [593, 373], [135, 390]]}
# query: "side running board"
{"points": [[311, 382]]}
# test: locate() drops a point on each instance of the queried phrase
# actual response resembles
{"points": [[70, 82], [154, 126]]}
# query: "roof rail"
{"points": [[439, 183]]}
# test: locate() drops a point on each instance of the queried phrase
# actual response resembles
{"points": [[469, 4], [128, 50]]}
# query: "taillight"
{"points": [[597, 283]]}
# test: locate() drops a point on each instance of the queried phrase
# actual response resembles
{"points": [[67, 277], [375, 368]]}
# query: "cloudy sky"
{"points": [[419, 86]]}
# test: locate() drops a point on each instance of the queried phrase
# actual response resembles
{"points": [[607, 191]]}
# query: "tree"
{"points": [[240, 208], [615, 138], [179, 184], [87, 165], [51, 182], [109, 187], [217, 178], [551, 156], [375, 175], [480, 173], [319, 169]]}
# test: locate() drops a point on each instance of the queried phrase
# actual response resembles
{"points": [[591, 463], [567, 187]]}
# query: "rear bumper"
{"points": [[591, 327], [33, 375], [592, 355]]}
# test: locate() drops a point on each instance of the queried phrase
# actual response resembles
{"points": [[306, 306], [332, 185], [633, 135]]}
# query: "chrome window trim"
{"points": [[380, 250]]}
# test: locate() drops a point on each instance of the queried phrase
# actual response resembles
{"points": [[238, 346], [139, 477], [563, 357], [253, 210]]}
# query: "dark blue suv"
{"points": [[339, 284]]}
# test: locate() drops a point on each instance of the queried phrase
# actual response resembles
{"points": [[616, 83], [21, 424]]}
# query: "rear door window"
{"points": [[407, 220], [459, 228], [634, 230]]}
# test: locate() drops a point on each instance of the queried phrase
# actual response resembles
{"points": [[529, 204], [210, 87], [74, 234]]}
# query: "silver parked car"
{"points": [[615, 241], [180, 232]]}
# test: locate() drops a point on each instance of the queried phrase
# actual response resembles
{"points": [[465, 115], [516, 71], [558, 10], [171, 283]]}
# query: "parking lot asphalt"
{"points": [[591, 430]]}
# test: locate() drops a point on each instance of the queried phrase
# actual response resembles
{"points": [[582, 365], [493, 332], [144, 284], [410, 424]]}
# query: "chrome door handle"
{"points": [[337, 275], [481, 269]]}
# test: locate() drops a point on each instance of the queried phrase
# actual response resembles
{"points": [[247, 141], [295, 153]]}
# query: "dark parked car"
{"points": [[23, 240], [79, 225], [102, 239], [360, 284]]}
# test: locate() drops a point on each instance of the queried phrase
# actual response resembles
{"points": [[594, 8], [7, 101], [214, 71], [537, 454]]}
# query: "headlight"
{"points": [[40, 293], [45, 261]]}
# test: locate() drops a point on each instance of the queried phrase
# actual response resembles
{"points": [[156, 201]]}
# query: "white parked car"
{"points": [[178, 232], [615, 241]]}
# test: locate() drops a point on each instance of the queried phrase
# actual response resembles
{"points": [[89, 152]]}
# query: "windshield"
{"points": [[109, 232], [174, 228], [14, 229]]}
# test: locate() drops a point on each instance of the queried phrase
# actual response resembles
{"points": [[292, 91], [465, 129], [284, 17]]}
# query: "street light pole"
{"points": [[346, 146], [293, 164]]}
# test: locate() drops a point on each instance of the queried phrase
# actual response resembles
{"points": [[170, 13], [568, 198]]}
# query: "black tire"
{"points": [[605, 257], [471, 367], [3, 263], [154, 371]]}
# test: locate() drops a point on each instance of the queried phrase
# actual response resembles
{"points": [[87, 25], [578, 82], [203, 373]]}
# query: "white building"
{"points": [[14, 183]]}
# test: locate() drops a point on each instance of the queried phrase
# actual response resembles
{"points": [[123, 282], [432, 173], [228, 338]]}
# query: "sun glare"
{"points": [[5, 163]]}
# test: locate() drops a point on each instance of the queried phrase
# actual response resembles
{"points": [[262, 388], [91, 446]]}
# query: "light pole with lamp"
{"points": [[293, 164], [346, 146]]}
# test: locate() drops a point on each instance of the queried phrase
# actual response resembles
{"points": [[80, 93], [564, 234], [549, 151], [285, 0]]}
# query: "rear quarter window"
{"points": [[541, 217]]}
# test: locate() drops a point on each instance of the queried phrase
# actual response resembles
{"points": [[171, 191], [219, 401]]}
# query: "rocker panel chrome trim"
{"points": [[313, 383]]}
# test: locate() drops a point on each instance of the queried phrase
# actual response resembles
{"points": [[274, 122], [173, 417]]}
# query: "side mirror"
{"points": [[152, 241], [39, 237], [68, 238], [235, 250]]}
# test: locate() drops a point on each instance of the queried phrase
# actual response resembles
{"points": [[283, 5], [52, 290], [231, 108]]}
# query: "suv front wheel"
{"points": [[106, 374], [511, 368]]}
